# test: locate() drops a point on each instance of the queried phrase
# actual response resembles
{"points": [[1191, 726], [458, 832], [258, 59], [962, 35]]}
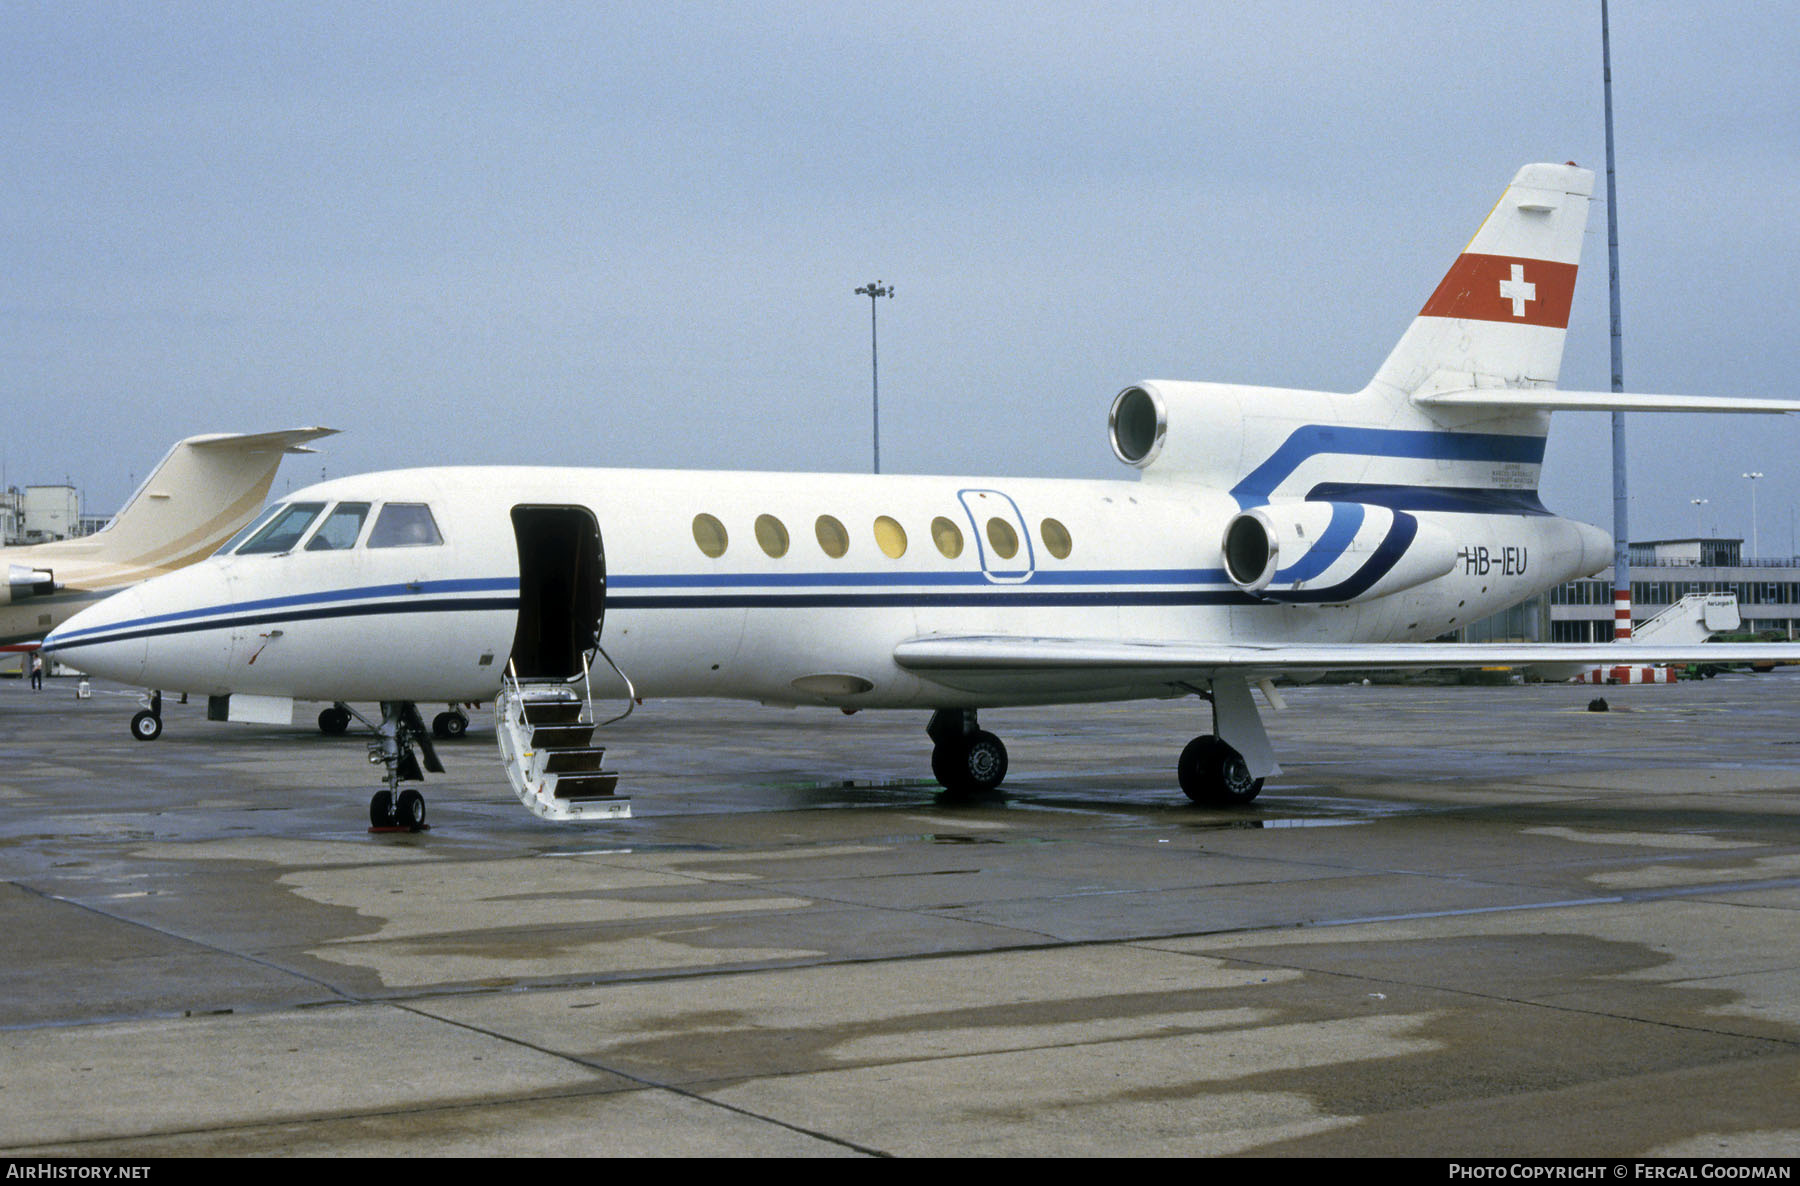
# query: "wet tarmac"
{"points": [[1466, 921]]}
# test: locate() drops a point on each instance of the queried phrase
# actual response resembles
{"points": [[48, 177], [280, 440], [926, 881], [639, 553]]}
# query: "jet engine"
{"points": [[1331, 552], [22, 582]]}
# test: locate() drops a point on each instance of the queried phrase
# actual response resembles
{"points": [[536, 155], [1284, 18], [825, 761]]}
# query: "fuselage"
{"points": [[777, 587]]}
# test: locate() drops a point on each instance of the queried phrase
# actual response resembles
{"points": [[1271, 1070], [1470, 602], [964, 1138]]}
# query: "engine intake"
{"points": [[22, 582], [1331, 552]]}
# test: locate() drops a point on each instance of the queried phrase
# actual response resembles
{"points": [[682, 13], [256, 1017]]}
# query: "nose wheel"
{"points": [[402, 740]]}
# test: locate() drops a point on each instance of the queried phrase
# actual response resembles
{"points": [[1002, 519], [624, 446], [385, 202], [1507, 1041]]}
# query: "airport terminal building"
{"points": [[1662, 573]]}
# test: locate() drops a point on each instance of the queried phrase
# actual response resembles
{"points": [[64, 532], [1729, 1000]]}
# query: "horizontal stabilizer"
{"points": [[291, 440], [1550, 399]]}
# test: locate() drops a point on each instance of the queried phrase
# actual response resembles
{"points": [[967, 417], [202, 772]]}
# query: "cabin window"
{"points": [[832, 537], [771, 535], [283, 530], [1056, 538], [404, 525], [709, 533], [890, 537], [947, 536], [250, 529], [1004, 539], [340, 529]]}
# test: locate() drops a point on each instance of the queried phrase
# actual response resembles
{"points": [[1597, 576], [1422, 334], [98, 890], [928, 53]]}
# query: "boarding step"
{"points": [[544, 732], [573, 736], [557, 711]]}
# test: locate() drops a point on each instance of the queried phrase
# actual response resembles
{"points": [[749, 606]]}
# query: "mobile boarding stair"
{"points": [[545, 727]]}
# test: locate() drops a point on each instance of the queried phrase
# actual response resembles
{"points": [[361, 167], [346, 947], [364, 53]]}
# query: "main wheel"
{"points": [[1212, 772], [334, 721], [381, 810], [974, 764], [409, 810], [450, 725], [146, 726]]}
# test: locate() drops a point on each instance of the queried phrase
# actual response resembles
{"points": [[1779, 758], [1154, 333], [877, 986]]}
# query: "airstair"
{"points": [[545, 728]]}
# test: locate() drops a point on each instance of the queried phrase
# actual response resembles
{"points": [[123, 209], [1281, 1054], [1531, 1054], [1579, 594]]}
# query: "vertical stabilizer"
{"points": [[1499, 317], [196, 498]]}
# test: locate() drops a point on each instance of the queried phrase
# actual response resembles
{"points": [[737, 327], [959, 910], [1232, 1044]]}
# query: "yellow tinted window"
{"points": [[890, 537], [1056, 538], [947, 536], [1004, 539], [709, 533], [772, 535], [832, 536]]}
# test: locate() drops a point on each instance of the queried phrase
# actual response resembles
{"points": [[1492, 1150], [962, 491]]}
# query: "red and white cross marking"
{"points": [[1517, 290]]}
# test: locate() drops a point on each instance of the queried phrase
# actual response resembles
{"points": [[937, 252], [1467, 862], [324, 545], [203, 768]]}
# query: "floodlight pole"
{"points": [[1755, 541], [1621, 501], [877, 289]]}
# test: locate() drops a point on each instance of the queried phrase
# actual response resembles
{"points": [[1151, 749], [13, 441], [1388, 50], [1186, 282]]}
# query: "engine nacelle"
{"points": [[22, 582], [1331, 552]]}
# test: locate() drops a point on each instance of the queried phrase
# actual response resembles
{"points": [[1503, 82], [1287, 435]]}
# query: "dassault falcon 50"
{"points": [[1264, 533]]}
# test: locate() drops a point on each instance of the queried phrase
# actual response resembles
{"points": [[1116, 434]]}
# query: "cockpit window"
{"points": [[284, 529], [250, 528], [340, 529], [404, 525]]}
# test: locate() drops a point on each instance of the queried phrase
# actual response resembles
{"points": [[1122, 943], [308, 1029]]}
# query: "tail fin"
{"points": [[1499, 317], [203, 491]]}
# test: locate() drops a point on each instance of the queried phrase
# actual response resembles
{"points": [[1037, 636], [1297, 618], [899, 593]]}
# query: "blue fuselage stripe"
{"points": [[1313, 440]]}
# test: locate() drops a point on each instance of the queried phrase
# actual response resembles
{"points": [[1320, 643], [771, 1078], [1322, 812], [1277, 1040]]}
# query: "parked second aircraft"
{"points": [[1267, 532], [203, 490]]}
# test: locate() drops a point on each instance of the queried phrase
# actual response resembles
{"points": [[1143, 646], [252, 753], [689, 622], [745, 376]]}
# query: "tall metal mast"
{"points": [[1621, 502], [877, 289]]}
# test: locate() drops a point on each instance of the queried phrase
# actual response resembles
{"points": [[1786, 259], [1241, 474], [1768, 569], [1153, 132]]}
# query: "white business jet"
{"points": [[1265, 533], [199, 494]]}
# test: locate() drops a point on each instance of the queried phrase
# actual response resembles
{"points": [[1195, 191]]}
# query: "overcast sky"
{"points": [[629, 233]]}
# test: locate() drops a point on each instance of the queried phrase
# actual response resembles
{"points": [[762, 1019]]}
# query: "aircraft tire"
{"points": [[381, 810], [409, 810], [1213, 773], [334, 722], [146, 726], [971, 765], [449, 725]]}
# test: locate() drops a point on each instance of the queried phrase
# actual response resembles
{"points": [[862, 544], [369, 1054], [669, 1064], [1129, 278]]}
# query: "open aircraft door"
{"points": [[562, 590]]}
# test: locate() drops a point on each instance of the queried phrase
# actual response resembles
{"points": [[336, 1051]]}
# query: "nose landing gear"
{"points": [[401, 740]]}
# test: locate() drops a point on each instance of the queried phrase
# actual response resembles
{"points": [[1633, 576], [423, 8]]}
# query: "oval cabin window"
{"points": [[1004, 539], [709, 533], [890, 537], [832, 537], [771, 535], [947, 536], [1056, 539]]}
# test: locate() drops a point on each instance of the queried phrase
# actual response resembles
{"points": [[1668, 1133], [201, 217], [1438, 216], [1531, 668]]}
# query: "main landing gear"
{"points": [[1213, 773], [401, 733], [1224, 768], [965, 758], [1221, 773]]}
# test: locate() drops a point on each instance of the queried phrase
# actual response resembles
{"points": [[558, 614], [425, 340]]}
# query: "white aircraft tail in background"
{"points": [[1265, 532], [203, 491]]}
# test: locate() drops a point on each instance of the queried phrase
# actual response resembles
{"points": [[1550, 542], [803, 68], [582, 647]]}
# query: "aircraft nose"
{"points": [[100, 640]]}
